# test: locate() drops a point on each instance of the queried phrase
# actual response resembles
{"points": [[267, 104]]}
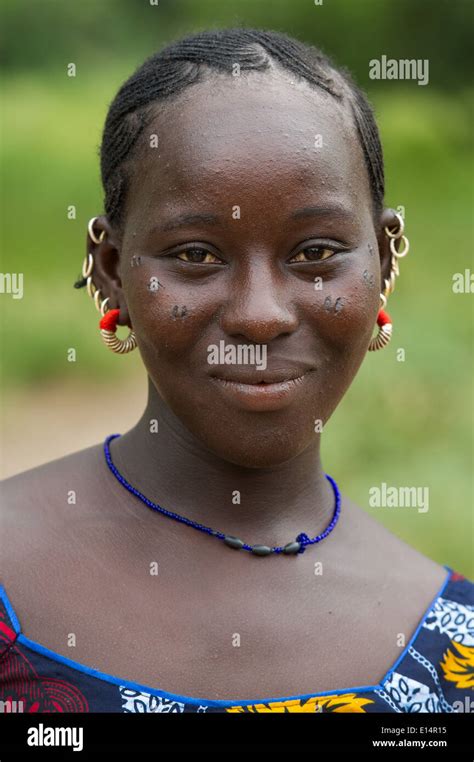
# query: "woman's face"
{"points": [[265, 180]]}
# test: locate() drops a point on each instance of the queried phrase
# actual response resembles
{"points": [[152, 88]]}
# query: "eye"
{"points": [[198, 256], [314, 254]]}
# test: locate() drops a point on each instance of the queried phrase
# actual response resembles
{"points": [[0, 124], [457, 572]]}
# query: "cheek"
{"points": [[344, 309], [171, 321]]}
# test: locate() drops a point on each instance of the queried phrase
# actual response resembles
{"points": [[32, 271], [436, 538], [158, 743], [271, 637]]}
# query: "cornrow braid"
{"points": [[187, 61]]}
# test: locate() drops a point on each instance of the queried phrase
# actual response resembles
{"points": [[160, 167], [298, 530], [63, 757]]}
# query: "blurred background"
{"points": [[403, 423]]}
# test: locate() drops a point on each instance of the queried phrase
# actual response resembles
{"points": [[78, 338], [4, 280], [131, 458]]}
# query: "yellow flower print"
{"points": [[459, 667], [347, 702]]}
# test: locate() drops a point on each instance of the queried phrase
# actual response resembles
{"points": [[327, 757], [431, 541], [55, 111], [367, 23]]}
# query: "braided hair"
{"points": [[186, 61]]}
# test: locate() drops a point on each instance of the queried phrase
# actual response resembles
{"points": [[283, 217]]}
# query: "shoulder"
{"points": [[78, 484], [386, 548], [53, 518], [36, 506], [409, 577], [38, 495], [49, 476]]}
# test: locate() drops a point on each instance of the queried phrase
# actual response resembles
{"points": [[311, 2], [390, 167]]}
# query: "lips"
{"points": [[255, 377], [260, 390]]}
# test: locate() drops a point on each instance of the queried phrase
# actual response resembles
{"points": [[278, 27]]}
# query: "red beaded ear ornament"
{"points": [[384, 320], [108, 327], [109, 320]]}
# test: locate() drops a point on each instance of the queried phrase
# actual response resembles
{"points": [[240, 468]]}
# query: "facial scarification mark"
{"points": [[179, 312], [154, 284], [327, 303], [368, 277], [338, 304]]}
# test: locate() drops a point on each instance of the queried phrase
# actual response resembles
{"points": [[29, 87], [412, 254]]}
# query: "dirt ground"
{"points": [[47, 422]]}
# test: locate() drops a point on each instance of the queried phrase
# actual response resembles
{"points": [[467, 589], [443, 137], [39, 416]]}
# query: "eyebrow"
{"points": [[187, 219], [209, 218], [336, 210]]}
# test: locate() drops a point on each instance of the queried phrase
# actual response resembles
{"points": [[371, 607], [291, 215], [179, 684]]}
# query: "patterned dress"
{"points": [[434, 673]]}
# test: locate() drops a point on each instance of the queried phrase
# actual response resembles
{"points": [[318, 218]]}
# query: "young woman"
{"points": [[203, 560]]}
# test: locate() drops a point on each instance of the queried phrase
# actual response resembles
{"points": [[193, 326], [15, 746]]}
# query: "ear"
{"points": [[388, 219], [106, 271]]}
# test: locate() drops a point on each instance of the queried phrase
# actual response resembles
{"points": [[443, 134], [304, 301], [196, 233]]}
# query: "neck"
{"points": [[172, 468]]}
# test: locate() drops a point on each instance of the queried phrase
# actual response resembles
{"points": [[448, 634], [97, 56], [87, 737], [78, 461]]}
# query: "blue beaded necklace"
{"points": [[292, 548]]}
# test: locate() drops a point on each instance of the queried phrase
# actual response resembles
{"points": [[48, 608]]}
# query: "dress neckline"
{"points": [[79, 667]]}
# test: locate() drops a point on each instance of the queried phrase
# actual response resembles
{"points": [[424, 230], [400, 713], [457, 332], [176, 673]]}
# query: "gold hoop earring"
{"points": [[109, 319], [384, 323], [90, 228], [108, 328], [396, 232], [88, 266], [384, 320], [395, 235], [404, 251]]}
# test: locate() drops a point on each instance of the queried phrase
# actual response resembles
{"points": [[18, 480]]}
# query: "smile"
{"points": [[260, 395]]}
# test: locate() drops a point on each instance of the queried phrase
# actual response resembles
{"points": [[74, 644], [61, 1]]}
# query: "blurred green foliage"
{"points": [[402, 423], [44, 34]]}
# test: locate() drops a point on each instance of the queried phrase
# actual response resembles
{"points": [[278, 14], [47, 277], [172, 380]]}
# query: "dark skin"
{"points": [[246, 142]]}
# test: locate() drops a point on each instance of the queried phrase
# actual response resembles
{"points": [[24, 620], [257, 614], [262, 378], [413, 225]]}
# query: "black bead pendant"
{"points": [[261, 550], [292, 548], [233, 542]]}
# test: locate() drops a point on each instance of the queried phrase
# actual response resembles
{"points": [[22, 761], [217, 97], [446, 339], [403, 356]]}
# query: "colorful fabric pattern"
{"points": [[434, 673]]}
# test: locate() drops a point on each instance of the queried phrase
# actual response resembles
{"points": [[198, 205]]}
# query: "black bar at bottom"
{"points": [[33, 735]]}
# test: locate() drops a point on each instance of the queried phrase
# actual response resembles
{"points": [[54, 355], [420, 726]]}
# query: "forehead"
{"points": [[235, 138]]}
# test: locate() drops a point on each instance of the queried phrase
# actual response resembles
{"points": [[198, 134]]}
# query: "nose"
{"points": [[258, 306]]}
